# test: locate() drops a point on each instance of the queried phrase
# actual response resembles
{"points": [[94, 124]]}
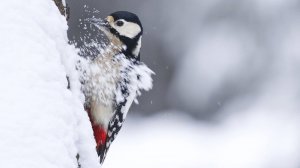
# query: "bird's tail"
{"points": [[100, 135]]}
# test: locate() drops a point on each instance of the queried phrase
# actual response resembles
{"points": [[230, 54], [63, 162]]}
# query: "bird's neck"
{"points": [[132, 46]]}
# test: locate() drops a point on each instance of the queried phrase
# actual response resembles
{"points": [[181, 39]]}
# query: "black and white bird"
{"points": [[115, 78]]}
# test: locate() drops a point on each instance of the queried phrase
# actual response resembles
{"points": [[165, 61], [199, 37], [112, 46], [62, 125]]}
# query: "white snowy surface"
{"points": [[43, 124], [252, 140]]}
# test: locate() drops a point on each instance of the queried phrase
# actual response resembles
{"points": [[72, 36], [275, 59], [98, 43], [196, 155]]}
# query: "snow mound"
{"points": [[43, 124]]}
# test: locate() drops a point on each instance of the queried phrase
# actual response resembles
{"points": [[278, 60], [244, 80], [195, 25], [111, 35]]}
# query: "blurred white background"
{"points": [[227, 89]]}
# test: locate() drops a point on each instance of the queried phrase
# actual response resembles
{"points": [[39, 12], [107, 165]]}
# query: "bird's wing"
{"points": [[116, 122]]}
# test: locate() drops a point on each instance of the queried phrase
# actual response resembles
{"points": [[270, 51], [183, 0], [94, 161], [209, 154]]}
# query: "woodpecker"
{"points": [[115, 78]]}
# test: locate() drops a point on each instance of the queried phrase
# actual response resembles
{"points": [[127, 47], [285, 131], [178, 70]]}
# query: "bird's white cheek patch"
{"points": [[129, 29]]}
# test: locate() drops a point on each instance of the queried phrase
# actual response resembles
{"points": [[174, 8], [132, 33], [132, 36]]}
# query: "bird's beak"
{"points": [[109, 21]]}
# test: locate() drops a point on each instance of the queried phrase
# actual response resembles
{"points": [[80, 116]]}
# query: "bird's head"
{"points": [[128, 28]]}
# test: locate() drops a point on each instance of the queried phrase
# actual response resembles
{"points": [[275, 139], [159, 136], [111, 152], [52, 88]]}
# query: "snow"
{"points": [[249, 140], [43, 124]]}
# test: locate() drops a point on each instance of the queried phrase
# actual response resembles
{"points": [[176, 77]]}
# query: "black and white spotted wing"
{"points": [[121, 109]]}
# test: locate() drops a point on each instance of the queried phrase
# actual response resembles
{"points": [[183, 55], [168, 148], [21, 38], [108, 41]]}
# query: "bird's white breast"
{"points": [[104, 75]]}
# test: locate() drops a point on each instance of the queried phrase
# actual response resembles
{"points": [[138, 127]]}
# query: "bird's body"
{"points": [[115, 78], [105, 75]]}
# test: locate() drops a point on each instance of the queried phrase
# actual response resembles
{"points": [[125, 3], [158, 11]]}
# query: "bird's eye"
{"points": [[119, 23]]}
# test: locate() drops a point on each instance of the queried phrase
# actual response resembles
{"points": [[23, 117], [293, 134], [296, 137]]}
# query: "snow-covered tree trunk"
{"points": [[42, 123], [61, 6]]}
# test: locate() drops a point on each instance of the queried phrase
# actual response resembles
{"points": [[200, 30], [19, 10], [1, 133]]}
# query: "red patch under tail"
{"points": [[100, 133]]}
